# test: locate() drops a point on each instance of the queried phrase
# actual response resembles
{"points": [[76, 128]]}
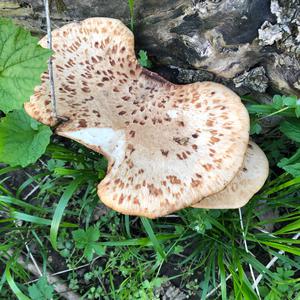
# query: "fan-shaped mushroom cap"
{"points": [[246, 183], [168, 145]]}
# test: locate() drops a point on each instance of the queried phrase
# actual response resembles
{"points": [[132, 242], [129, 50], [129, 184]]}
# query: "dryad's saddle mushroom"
{"points": [[168, 145], [250, 178]]}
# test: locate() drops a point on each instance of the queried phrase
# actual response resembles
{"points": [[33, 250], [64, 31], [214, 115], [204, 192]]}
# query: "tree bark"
{"points": [[251, 45]]}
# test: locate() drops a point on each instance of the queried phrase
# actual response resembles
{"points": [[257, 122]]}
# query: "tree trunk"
{"points": [[251, 45]]}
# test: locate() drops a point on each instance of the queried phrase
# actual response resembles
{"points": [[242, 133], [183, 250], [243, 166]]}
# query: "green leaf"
{"points": [[79, 237], [291, 129], [99, 249], [87, 240], [93, 234], [294, 169], [144, 60], [88, 252], [22, 61], [277, 101], [20, 144], [255, 127], [41, 290], [264, 109], [290, 101], [292, 164], [297, 110]]}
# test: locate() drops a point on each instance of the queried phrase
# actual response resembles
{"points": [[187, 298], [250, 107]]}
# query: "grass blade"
{"points": [[207, 276], [222, 274], [59, 211], [13, 285], [290, 227], [144, 242], [37, 220], [127, 226], [131, 10], [17, 202], [285, 248], [157, 246]]}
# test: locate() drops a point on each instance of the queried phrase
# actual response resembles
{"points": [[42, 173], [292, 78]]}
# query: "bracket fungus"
{"points": [[168, 146], [248, 181]]}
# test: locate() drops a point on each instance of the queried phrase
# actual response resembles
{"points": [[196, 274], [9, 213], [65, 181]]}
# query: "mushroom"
{"points": [[248, 181], [167, 145]]}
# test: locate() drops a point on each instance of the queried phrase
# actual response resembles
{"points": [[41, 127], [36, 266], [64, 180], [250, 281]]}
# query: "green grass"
{"points": [[196, 250], [50, 216]]}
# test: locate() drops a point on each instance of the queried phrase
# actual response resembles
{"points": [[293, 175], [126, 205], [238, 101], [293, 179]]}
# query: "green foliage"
{"points": [[201, 220], [255, 127], [143, 59], [22, 139], [283, 287], [41, 290], [131, 11], [291, 129], [195, 249], [22, 61], [88, 240], [292, 164], [286, 106]]}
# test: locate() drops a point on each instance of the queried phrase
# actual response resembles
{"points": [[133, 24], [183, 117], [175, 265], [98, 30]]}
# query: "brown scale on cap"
{"points": [[168, 145], [248, 181]]}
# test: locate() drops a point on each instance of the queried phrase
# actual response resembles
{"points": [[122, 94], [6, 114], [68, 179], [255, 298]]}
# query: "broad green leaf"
{"points": [[22, 61], [291, 129], [292, 164], [294, 169], [20, 143], [87, 240], [93, 234], [255, 128], [288, 161], [88, 252], [99, 249], [260, 109], [290, 101], [41, 290], [79, 237], [277, 101]]}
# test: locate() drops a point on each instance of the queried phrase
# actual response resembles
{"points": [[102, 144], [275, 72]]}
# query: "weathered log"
{"points": [[251, 45]]}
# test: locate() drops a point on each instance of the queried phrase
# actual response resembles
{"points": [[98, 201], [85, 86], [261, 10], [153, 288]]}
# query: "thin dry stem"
{"points": [[272, 262], [247, 250], [50, 66]]}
